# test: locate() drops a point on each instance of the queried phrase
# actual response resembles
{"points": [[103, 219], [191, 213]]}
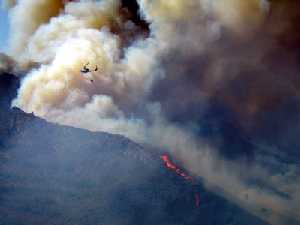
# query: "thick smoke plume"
{"points": [[179, 56]]}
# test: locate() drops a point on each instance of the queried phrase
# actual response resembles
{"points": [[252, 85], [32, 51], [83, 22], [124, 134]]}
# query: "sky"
{"points": [[3, 29]]}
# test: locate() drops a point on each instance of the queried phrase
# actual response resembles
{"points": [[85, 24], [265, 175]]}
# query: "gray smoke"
{"points": [[193, 52]]}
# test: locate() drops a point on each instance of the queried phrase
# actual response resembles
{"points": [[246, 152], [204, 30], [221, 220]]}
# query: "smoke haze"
{"points": [[160, 72]]}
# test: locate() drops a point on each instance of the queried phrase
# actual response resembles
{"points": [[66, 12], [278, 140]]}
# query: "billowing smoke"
{"points": [[159, 73]]}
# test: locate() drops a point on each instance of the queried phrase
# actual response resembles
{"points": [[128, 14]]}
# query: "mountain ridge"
{"points": [[53, 174]]}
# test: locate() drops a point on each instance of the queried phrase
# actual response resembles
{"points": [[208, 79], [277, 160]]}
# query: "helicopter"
{"points": [[86, 70]]}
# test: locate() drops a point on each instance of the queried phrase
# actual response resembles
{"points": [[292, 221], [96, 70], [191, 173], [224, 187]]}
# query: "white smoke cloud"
{"points": [[25, 17], [61, 39]]}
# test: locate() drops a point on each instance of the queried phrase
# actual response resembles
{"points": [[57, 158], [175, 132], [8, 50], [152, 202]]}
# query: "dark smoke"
{"points": [[134, 14], [240, 81], [213, 82]]}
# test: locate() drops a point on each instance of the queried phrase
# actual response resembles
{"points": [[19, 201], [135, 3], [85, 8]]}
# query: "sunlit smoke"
{"points": [[193, 52]]}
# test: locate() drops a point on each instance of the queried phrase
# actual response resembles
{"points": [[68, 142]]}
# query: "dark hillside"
{"points": [[57, 175]]}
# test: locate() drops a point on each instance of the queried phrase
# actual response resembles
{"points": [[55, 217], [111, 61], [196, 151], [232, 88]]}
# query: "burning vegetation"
{"points": [[172, 166], [163, 67]]}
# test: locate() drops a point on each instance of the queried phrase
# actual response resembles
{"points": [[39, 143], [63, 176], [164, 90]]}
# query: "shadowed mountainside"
{"points": [[51, 174]]}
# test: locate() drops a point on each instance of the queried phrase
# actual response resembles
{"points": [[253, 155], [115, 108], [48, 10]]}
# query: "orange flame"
{"points": [[170, 165], [197, 199]]}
